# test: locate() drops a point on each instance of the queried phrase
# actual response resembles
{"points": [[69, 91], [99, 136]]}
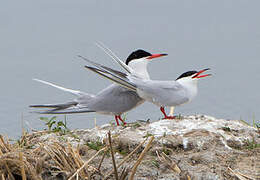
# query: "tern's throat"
{"points": [[140, 67], [190, 85]]}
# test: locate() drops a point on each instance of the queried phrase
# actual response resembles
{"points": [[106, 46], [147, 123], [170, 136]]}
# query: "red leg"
{"points": [[119, 117], [116, 118], [165, 115]]}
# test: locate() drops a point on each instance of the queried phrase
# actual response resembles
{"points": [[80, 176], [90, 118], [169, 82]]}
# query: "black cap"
{"points": [[187, 74], [137, 55]]}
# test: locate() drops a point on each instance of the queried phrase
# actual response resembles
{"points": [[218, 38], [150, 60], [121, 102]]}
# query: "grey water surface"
{"points": [[41, 39]]}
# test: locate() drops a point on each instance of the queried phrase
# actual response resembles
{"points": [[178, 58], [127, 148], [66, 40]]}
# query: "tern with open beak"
{"points": [[161, 93]]}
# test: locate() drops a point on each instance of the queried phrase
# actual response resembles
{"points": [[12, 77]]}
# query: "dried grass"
{"points": [[20, 161], [46, 160], [31, 163], [15, 162]]}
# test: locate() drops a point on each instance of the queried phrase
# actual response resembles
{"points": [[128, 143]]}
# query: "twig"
{"points": [[112, 155], [9, 172], [50, 153], [22, 166], [4, 144], [240, 175], [165, 159], [171, 163], [60, 153], [124, 173], [131, 153], [3, 177], [101, 161], [126, 158], [246, 176], [86, 163], [141, 158], [76, 159]]}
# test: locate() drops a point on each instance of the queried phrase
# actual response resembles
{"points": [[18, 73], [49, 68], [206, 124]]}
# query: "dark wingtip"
{"points": [[88, 67]]}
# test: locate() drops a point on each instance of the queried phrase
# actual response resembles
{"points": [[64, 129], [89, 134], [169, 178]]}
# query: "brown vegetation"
{"points": [[134, 152]]}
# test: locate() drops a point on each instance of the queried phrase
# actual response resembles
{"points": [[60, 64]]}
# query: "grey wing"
{"points": [[115, 100], [162, 93], [115, 76]]}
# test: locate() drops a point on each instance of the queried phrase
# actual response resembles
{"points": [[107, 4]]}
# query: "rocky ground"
{"points": [[190, 147]]}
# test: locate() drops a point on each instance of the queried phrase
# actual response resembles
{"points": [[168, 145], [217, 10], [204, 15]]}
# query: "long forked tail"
{"points": [[114, 57], [65, 108], [104, 68], [111, 74], [115, 76], [65, 111], [74, 92], [56, 106]]}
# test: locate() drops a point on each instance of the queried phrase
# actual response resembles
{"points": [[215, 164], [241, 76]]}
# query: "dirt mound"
{"points": [[192, 147]]}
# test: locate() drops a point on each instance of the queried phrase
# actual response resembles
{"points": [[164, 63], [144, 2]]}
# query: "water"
{"points": [[42, 39]]}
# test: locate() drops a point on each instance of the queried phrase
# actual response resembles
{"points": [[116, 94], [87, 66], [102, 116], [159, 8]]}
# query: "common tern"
{"points": [[161, 93], [113, 100]]}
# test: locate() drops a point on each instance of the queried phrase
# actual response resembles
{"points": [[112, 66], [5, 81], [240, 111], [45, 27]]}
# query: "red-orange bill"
{"points": [[197, 75], [156, 56]]}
